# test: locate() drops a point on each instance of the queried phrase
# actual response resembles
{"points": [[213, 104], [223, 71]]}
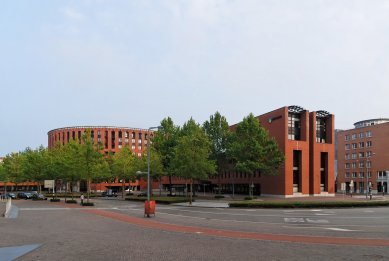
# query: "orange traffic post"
{"points": [[149, 208]]}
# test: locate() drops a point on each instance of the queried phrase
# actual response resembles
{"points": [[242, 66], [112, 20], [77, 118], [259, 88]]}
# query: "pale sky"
{"points": [[132, 63]]}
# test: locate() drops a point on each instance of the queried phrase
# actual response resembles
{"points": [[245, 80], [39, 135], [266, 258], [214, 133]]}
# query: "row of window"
{"points": [[360, 135], [358, 145], [355, 155], [357, 175], [67, 136], [228, 174], [359, 164], [294, 128]]}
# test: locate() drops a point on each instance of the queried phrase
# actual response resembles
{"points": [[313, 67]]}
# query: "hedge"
{"points": [[161, 200], [308, 204]]}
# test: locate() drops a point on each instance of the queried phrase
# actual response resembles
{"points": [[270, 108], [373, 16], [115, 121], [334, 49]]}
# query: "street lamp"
{"points": [[367, 175], [148, 161]]}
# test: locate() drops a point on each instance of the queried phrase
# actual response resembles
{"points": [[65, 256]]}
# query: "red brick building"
{"points": [[112, 139], [363, 157], [307, 141]]}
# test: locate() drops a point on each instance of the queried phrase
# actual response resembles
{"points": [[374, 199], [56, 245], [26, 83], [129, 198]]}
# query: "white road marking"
{"points": [[317, 221], [340, 229], [305, 220], [294, 220]]}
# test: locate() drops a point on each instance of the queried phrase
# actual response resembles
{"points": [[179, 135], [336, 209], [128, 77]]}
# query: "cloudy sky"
{"points": [[132, 63]]}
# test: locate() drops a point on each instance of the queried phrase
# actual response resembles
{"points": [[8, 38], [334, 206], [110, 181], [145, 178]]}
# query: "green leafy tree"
{"points": [[3, 177], [90, 161], [218, 132], [251, 149], [164, 143], [125, 165], [35, 165], [156, 166], [13, 168], [191, 155], [58, 163]]}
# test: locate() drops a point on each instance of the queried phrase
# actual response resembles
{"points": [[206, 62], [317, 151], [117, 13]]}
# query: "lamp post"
{"points": [[367, 176], [148, 161]]}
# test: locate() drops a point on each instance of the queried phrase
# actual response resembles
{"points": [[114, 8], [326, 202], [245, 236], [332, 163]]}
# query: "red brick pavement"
{"points": [[148, 223]]}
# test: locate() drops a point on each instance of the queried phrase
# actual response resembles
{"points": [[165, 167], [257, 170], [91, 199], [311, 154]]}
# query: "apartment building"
{"points": [[363, 157]]}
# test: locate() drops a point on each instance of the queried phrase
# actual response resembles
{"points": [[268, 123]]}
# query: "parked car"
{"points": [[10, 195], [109, 194], [24, 195], [38, 196], [142, 194]]}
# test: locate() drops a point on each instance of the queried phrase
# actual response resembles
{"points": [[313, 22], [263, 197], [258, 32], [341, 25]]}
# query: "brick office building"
{"points": [[112, 139], [363, 157], [307, 140]]}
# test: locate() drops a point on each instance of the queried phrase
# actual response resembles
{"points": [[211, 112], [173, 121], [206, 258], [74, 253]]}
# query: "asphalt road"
{"points": [[116, 230]]}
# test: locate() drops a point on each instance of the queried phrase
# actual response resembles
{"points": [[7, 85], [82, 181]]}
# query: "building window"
{"points": [[361, 174], [354, 156], [354, 165], [112, 139], [321, 130], [294, 126], [369, 154], [354, 146], [133, 135], [368, 164], [347, 146], [368, 134], [140, 135], [369, 144], [354, 136], [361, 164], [361, 154], [361, 135], [347, 165], [347, 175], [347, 137], [354, 174], [347, 156], [361, 144]]}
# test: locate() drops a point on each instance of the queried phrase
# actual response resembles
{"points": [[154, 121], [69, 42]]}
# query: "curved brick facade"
{"points": [[111, 138]]}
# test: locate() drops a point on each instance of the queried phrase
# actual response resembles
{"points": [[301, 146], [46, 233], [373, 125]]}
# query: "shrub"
{"points": [[307, 204], [55, 200], [249, 198], [71, 201], [88, 204], [219, 196], [162, 200]]}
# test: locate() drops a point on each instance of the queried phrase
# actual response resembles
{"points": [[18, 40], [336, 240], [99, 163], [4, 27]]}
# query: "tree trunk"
{"points": [[123, 180], [191, 189], [170, 185], [88, 190], [160, 186]]}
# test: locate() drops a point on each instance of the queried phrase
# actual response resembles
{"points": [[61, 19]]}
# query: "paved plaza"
{"points": [[117, 230]]}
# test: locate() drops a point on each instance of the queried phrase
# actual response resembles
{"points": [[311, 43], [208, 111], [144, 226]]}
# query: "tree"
{"points": [[164, 143], [35, 164], [125, 165], [218, 132], [156, 167], [90, 161], [191, 155], [3, 177], [251, 149], [13, 168]]}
